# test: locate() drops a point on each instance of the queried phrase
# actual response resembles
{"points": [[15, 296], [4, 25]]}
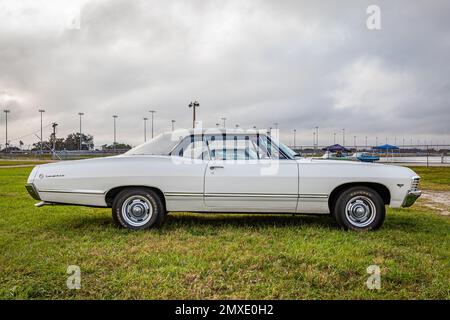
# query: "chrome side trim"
{"points": [[183, 194], [250, 195], [99, 192], [247, 195], [313, 196]]}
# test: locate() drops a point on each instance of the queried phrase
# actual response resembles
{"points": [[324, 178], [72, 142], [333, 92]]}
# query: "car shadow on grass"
{"points": [[175, 220], [188, 220], [216, 221]]}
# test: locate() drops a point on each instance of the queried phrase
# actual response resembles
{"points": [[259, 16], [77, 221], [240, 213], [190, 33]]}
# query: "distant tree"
{"points": [[59, 144], [10, 148], [72, 141], [118, 146], [37, 145]]}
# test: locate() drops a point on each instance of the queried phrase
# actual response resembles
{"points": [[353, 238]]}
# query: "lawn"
{"points": [[5, 163], [218, 256], [434, 178]]}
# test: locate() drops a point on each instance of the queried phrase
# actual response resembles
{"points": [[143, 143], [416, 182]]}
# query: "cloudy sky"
{"points": [[301, 64]]}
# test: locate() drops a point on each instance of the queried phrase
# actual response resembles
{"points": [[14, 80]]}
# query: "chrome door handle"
{"points": [[215, 167]]}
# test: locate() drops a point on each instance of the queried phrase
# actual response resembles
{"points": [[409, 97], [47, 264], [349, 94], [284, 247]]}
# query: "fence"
{"points": [[413, 155], [408, 154], [59, 154]]}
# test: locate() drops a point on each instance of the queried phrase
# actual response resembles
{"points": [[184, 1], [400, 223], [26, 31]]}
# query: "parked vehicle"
{"points": [[357, 156], [365, 157], [214, 170]]}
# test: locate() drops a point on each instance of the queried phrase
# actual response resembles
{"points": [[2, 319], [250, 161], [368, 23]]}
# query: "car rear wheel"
{"points": [[359, 208], [138, 208]]}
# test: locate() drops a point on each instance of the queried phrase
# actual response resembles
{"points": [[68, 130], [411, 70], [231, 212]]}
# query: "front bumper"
{"points": [[410, 198], [32, 191]]}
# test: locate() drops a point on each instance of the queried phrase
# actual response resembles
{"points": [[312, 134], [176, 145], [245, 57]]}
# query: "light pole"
{"points": [[343, 137], [295, 134], [366, 142], [354, 141], [173, 124], [41, 111], [276, 131], [314, 141], [317, 136], [114, 142], [376, 141], [334, 137], [80, 114], [194, 105], [145, 129], [6, 111], [152, 112], [54, 125], [223, 119]]}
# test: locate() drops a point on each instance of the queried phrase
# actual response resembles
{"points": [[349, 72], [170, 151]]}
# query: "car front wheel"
{"points": [[138, 208], [360, 209]]}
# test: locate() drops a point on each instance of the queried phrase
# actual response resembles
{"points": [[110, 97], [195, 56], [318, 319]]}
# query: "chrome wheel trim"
{"points": [[360, 211], [137, 211]]}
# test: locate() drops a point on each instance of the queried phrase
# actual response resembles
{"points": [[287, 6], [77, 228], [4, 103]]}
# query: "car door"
{"points": [[185, 183], [243, 177]]}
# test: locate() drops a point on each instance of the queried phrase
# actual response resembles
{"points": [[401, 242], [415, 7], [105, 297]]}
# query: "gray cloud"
{"points": [[299, 63]]}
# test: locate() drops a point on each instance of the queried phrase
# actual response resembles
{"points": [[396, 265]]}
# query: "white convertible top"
{"points": [[186, 132], [164, 143]]}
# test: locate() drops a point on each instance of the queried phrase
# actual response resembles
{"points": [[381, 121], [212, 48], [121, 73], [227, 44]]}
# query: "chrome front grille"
{"points": [[415, 184]]}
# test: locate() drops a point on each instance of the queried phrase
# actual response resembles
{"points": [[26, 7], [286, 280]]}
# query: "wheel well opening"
{"points": [[111, 194], [382, 190]]}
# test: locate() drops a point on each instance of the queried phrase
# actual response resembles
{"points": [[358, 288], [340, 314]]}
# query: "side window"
{"points": [[192, 147], [270, 148], [233, 147], [260, 148], [228, 147], [196, 150]]}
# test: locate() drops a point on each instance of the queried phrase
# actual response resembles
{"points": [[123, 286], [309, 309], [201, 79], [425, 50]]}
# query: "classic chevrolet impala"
{"points": [[214, 170]]}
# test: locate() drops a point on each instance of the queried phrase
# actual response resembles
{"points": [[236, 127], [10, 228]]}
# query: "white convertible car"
{"points": [[214, 170]]}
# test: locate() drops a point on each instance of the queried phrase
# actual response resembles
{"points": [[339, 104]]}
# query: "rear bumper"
{"points": [[32, 191], [410, 198]]}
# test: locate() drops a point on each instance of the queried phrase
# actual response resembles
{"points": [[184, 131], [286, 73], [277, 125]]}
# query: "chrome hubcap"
{"points": [[360, 211], [137, 210]]}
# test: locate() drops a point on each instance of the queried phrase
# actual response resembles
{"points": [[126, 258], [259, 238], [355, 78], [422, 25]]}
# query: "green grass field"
{"points": [[5, 163], [434, 178], [218, 256]]}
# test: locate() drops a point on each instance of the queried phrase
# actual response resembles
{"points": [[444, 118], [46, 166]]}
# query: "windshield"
{"points": [[160, 145]]}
